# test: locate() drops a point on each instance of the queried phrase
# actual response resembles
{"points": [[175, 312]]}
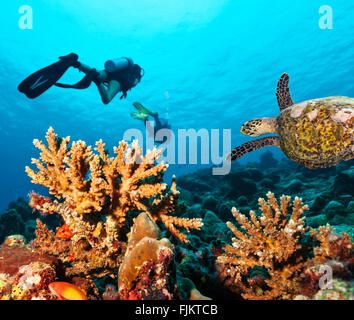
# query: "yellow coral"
{"points": [[17, 293]]}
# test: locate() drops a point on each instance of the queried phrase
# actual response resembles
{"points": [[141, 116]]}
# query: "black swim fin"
{"points": [[40, 81]]}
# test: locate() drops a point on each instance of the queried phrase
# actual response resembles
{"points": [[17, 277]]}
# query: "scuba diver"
{"points": [[119, 75], [144, 114]]}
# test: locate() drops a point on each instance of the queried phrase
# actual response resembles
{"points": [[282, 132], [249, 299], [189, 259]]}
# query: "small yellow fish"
{"points": [[67, 291]]}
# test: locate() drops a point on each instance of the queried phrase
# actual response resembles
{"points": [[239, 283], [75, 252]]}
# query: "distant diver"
{"points": [[119, 75], [159, 124]]}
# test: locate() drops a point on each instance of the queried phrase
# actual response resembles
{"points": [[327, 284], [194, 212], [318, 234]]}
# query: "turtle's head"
{"points": [[258, 127]]}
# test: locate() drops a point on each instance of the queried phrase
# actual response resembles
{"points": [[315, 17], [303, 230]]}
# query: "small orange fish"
{"points": [[67, 291]]}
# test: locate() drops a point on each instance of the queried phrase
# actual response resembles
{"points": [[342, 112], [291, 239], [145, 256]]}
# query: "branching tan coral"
{"points": [[95, 192], [333, 246], [271, 242], [167, 204], [117, 180]]}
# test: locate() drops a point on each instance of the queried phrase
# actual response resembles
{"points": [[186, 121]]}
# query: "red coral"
{"points": [[341, 247], [64, 232], [310, 282]]}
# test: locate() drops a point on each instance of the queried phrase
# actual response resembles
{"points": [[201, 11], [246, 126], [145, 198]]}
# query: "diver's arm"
{"points": [[107, 94]]}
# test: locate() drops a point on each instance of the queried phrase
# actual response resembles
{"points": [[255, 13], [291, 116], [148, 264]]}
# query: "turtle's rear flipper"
{"points": [[251, 146], [283, 92]]}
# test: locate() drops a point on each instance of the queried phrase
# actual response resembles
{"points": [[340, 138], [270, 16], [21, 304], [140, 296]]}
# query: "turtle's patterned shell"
{"points": [[318, 133]]}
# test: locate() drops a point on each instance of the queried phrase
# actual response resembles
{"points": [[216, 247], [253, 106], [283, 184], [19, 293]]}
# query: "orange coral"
{"points": [[96, 185], [65, 170], [64, 232], [272, 242]]}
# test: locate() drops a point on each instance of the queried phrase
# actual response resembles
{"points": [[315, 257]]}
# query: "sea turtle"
{"points": [[316, 133]]}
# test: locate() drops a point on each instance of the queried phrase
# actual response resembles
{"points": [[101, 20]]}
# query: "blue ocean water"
{"points": [[209, 64]]}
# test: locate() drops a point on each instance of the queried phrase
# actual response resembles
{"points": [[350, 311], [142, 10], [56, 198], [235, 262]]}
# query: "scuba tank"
{"points": [[117, 64]]}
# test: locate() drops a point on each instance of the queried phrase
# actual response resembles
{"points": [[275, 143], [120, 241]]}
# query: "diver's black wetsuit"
{"points": [[127, 78], [158, 125]]}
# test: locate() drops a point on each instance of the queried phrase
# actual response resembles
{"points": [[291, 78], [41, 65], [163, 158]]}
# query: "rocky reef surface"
{"points": [[329, 192]]}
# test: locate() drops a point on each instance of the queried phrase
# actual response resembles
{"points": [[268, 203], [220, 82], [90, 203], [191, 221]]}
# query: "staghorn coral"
{"points": [[274, 244], [116, 180], [163, 206], [94, 193]]}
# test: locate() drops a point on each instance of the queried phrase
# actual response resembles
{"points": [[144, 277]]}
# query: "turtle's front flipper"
{"points": [[251, 146], [283, 92]]}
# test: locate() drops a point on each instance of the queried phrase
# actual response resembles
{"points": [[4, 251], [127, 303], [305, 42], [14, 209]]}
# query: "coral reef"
{"points": [[328, 192], [196, 263], [81, 230], [274, 243], [117, 180], [94, 193], [145, 272], [162, 206], [15, 240]]}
